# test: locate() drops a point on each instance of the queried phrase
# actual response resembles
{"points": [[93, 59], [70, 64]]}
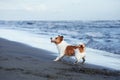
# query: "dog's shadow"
{"points": [[70, 61]]}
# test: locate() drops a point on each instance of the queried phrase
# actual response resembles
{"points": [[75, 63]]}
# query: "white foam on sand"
{"points": [[93, 56]]}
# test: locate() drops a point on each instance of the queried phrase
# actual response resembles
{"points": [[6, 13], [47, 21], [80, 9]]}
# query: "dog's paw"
{"points": [[76, 62], [55, 60]]}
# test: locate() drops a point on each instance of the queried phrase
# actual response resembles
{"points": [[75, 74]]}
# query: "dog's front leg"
{"points": [[59, 57], [56, 59]]}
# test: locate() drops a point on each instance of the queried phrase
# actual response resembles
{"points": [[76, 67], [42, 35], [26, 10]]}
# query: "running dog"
{"points": [[66, 49]]}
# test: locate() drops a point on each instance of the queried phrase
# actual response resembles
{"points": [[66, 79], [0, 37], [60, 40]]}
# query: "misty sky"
{"points": [[59, 9]]}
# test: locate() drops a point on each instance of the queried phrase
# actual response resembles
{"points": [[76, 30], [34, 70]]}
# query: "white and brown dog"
{"points": [[66, 49]]}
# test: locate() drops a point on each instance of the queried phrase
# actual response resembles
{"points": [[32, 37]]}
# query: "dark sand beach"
{"points": [[22, 62]]}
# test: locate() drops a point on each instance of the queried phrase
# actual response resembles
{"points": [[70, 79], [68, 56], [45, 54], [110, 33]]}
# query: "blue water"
{"points": [[102, 35]]}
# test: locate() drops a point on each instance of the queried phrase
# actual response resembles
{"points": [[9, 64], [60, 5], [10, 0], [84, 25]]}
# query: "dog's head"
{"points": [[57, 40]]}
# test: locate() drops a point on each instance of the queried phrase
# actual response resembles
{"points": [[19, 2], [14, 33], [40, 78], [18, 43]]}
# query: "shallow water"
{"points": [[93, 56], [101, 35]]}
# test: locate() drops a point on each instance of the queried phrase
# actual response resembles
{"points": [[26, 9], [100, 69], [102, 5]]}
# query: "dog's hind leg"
{"points": [[83, 60], [76, 62], [77, 59]]}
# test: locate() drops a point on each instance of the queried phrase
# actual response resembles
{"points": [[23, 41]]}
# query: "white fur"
{"points": [[79, 55], [61, 49]]}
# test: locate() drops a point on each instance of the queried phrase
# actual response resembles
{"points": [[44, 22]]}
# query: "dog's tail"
{"points": [[82, 45], [81, 48]]}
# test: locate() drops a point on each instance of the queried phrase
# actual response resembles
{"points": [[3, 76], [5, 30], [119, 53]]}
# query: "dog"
{"points": [[66, 49]]}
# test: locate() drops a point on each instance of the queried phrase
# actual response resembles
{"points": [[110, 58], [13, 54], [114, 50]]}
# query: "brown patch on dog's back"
{"points": [[70, 50]]}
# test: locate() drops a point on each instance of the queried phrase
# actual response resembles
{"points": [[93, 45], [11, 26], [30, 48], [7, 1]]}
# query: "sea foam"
{"points": [[93, 56]]}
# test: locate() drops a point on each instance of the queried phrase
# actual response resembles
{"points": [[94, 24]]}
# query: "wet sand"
{"points": [[22, 62]]}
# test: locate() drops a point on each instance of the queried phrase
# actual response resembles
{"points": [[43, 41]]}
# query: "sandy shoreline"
{"points": [[22, 62]]}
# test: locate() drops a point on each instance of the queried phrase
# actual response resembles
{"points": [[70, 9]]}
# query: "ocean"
{"points": [[102, 38], [102, 35]]}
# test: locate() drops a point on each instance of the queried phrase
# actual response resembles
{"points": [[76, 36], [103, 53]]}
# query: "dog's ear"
{"points": [[62, 37]]}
